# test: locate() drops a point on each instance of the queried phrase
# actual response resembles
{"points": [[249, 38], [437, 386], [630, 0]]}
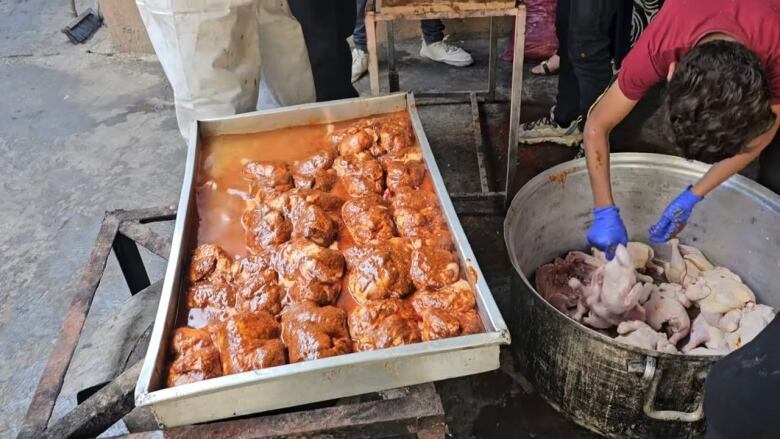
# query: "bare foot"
{"points": [[548, 67]]}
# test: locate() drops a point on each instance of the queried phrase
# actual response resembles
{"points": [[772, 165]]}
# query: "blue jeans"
{"points": [[432, 30]]}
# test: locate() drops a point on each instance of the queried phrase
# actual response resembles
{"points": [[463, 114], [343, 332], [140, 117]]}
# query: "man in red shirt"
{"points": [[722, 61]]}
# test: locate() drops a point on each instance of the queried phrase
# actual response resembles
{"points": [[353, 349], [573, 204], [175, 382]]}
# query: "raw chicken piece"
{"points": [[706, 351], [360, 173], [613, 294], [395, 133], [664, 309], [417, 216], [321, 293], [730, 321], [638, 333], [754, 319], [303, 261], [441, 309], [368, 219], [382, 324], [257, 296], [316, 172], [552, 280], [405, 169], [704, 333], [675, 269], [640, 254], [357, 138], [718, 291], [696, 257], [311, 222], [254, 268], [209, 263]]}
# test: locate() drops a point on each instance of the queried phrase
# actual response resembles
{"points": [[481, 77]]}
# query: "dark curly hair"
{"points": [[718, 100]]}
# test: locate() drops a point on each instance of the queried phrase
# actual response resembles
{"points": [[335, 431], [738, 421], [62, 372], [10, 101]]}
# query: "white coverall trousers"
{"points": [[225, 57]]}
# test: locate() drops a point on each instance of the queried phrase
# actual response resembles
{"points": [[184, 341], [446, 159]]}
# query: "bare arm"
{"points": [[605, 114], [721, 171]]}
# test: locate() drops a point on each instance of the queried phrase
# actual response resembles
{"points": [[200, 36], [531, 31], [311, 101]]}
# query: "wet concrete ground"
{"points": [[84, 130]]}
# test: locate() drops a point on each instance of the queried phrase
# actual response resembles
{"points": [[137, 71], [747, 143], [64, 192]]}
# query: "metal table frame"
{"points": [[410, 410], [485, 200]]}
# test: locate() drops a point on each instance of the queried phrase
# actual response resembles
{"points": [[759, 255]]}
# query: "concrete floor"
{"points": [[84, 130]]}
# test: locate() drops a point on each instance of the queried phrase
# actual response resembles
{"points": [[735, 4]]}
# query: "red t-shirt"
{"points": [[680, 24]]}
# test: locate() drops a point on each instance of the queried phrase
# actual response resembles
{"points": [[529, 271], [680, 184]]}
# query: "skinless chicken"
{"points": [[312, 332], [395, 134], [706, 334], [417, 216], [404, 168], [312, 214], [320, 293], [753, 319], [638, 333], [253, 269], [382, 324], [665, 310], [368, 219], [718, 291], [288, 202], [249, 341], [215, 294], [256, 296], [613, 294], [433, 267], [355, 139], [267, 175], [209, 262], [316, 172], [195, 357], [265, 228], [379, 271], [360, 173], [552, 280]]}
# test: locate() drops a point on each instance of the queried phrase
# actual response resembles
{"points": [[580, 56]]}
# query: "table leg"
{"points": [[373, 56], [492, 61], [514, 107]]}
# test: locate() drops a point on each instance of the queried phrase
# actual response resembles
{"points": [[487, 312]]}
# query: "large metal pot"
{"points": [[611, 388]]}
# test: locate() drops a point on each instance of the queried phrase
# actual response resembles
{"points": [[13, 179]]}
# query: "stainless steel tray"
{"points": [[327, 378]]}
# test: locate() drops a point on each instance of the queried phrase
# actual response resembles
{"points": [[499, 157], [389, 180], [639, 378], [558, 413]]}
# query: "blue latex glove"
{"points": [[607, 230], [674, 217]]}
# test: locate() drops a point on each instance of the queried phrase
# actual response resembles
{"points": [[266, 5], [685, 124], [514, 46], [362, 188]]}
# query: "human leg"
{"points": [[435, 48], [326, 26]]}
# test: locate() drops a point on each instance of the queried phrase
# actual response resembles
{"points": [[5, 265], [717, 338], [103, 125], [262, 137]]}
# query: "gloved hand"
{"points": [[674, 217], [607, 230]]}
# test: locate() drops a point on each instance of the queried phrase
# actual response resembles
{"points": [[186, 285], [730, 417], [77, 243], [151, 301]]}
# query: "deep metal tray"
{"points": [[327, 378]]}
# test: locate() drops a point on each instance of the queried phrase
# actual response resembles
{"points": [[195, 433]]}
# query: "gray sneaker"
{"points": [[547, 129]]}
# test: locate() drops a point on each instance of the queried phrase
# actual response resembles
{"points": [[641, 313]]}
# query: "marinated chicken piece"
{"points": [[433, 267], [195, 357], [249, 341], [383, 324], [379, 271], [303, 261], [267, 175], [313, 223], [441, 310], [217, 294], [356, 138], [404, 168], [368, 219], [417, 216], [265, 228], [318, 292], [316, 172], [395, 133], [255, 296], [638, 333], [360, 173], [210, 262], [312, 332], [253, 269], [290, 201]]}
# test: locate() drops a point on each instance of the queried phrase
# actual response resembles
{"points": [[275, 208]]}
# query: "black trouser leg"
{"points": [[742, 393], [326, 26], [585, 50], [432, 30], [567, 107]]}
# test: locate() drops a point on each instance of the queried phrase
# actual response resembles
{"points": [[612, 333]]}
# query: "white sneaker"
{"points": [[359, 63], [547, 129], [441, 51]]}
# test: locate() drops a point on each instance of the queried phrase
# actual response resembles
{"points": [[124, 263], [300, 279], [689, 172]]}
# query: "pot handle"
{"points": [[653, 376]]}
